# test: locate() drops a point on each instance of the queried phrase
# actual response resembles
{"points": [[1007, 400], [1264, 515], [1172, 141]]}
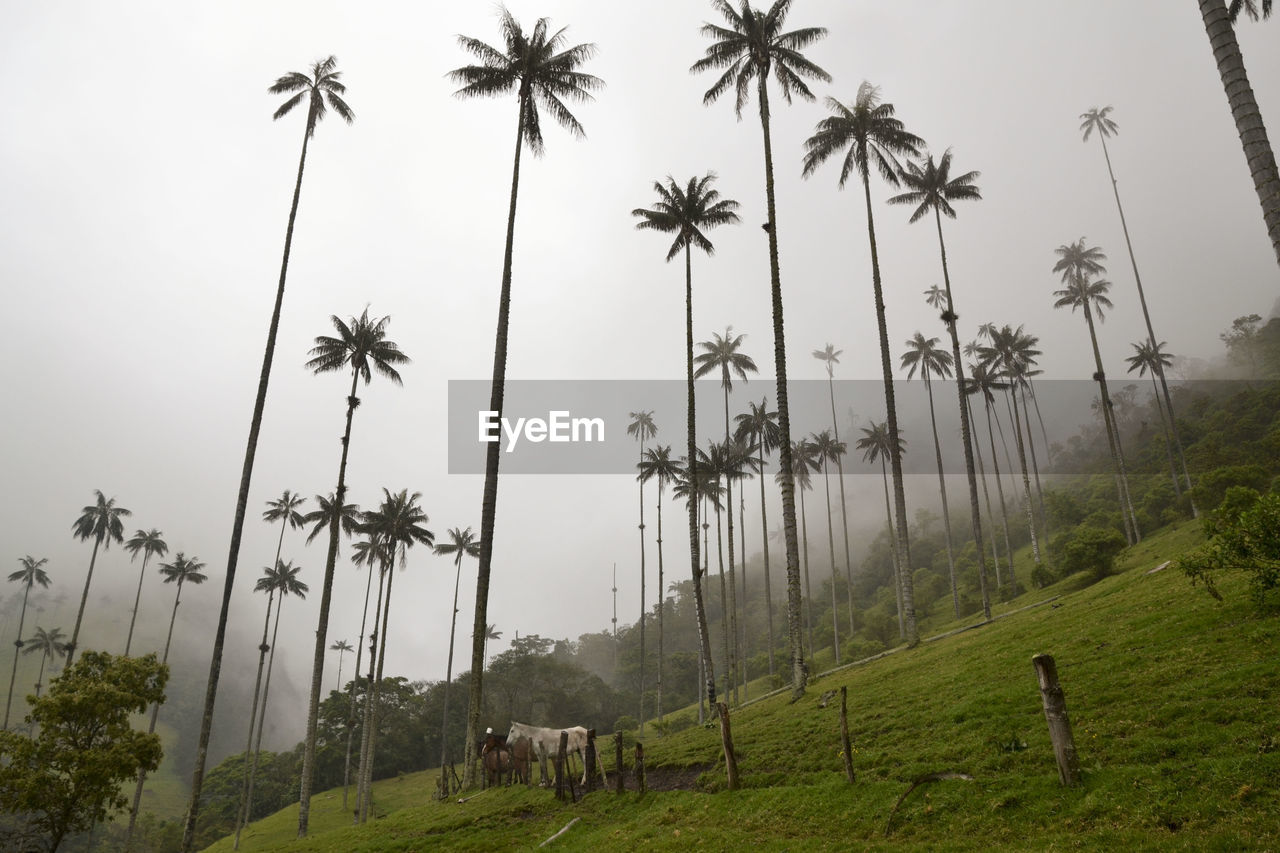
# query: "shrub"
{"points": [[1093, 550], [626, 723], [1247, 538], [1213, 486], [1042, 576]]}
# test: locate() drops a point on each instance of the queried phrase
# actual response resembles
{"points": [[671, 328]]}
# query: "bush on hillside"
{"points": [[1213, 486], [1089, 549], [1247, 537]]}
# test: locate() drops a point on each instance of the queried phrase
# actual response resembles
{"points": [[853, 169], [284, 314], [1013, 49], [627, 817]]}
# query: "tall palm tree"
{"points": [[31, 573], [657, 464], [1151, 358], [322, 90], [368, 552], [982, 477], [101, 522], [806, 461], [543, 72], [182, 570], [341, 647], [642, 428], [401, 523], [1219, 19], [284, 509], [872, 136], [740, 465], [462, 543], [930, 187], [759, 426], [149, 542], [983, 381], [1078, 263], [283, 580], [713, 464], [1100, 120], [874, 445], [491, 632], [828, 450], [752, 45], [687, 212], [361, 347], [831, 356], [923, 355], [50, 645], [348, 517]]}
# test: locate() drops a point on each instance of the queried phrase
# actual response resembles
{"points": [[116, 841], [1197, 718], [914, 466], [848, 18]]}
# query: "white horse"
{"points": [[546, 743]]}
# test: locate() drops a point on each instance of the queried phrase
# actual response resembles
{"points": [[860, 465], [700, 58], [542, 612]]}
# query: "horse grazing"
{"points": [[546, 743], [496, 757], [522, 754]]}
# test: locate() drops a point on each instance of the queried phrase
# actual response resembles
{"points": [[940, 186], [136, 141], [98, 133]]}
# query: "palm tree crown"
{"points": [[1250, 8], [322, 85], [285, 509], [399, 521], [831, 356], [360, 344], [1078, 261], [462, 543], [150, 542], [1097, 119], [722, 353], [183, 570], [931, 187], [31, 572], [686, 211], [923, 355], [283, 578], [1149, 358], [322, 518], [868, 129], [101, 521]]}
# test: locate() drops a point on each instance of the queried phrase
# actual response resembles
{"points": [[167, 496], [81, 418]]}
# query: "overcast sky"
{"points": [[144, 191]]}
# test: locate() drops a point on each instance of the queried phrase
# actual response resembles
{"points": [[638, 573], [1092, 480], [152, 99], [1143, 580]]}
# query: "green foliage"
{"points": [[1213, 485], [626, 723], [1089, 549], [1246, 536], [72, 773]]}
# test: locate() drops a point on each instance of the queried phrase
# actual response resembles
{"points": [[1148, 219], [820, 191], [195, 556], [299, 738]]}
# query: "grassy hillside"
{"points": [[1172, 696]]}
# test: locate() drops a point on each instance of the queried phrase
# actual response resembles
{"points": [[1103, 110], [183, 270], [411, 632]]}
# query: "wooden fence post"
{"points": [[726, 739], [640, 783], [617, 748], [1055, 712], [846, 749], [590, 761], [564, 745]]}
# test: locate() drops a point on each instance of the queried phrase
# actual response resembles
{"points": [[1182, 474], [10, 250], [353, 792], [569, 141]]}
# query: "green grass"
{"points": [[1172, 697]]}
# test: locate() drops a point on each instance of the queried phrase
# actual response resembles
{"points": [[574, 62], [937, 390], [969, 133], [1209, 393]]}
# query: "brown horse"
{"points": [[496, 757], [522, 756]]}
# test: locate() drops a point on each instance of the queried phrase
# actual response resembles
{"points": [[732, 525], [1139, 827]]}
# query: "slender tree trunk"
{"points": [[844, 512], [1168, 440], [137, 599], [355, 682], [642, 608], [662, 602], [942, 492], [735, 657], [831, 545], [262, 719], [1244, 109], [370, 699], [489, 500], [799, 671], [986, 494], [377, 691], [1035, 464], [84, 597], [17, 650], [1026, 483], [744, 650], [726, 615], [893, 550], [764, 544], [808, 588], [1004, 506], [237, 529], [242, 813], [448, 678], [1113, 436]]}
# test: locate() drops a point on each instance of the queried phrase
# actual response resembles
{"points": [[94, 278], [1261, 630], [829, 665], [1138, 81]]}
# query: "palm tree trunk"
{"points": [[242, 813], [808, 588], [1168, 440], [831, 545], [764, 544], [1026, 483], [489, 500], [448, 679], [84, 597], [893, 550], [642, 609], [986, 494], [799, 671], [895, 454], [1244, 109], [233, 555], [370, 699], [1004, 506], [17, 650], [844, 512], [744, 650], [726, 613], [262, 719], [942, 492], [137, 599], [355, 681], [367, 803], [736, 656], [662, 602], [1035, 464], [1113, 437]]}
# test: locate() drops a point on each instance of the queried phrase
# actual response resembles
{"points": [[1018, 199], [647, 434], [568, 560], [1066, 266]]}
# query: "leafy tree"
{"points": [[361, 347], [542, 72], [31, 573], [1247, 538], [1242, 341], [462, 543], [759, 427], [101, 522], [748, 49], [642, 429], [150, 543], [687, 212], [68, 776], [322, 90]]}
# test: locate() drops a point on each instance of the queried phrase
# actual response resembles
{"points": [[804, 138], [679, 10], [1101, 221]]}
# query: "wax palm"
{"points": [[102, 522], [341, 647], [984, 381], [741, 464], [869, 135], [875, 446], [642, 429], [462, 543], [49, 644], [401, 523], [752, 45], [713, 464], [759, 426], [1151, 359], [1077, 264], [806, 461], [149, 542], [687, 212], [827, 450], [31, 573], [923, 355], [322, 90], [284, 509], [321, 519], [831, 357], [1219, 20], [370, 552], [277, 582], [657, 464], [361, 346]]}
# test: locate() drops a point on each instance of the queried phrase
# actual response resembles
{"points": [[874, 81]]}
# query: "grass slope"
{"points": [[1172, 697]]}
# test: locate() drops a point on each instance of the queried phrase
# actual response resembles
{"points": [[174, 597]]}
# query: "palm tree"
{"points": [[323, 90], [1219, 20], [1078, 263], [827, 450], [101, 522], [462, 543], [831, 356], [642, 429], [1149, 358], [982, 381], [180, 571], [713, 464], [361, 347], [491, 632], [322, 519], [931, 187], [806, 459], [149, 542], [284, 509], [50, 645], [401, 523], [283, 580], [341, 647], [748, 49], [687, 212], [874, 445], [1099, 120], [759, 426], [873, 136], [31, 573], [541, 71], [924, 356], [369, 552], [657, 464]]}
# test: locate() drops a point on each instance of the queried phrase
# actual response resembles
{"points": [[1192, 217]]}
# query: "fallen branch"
{"points": [[929, 777], [473, 796], [560, 833]]}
